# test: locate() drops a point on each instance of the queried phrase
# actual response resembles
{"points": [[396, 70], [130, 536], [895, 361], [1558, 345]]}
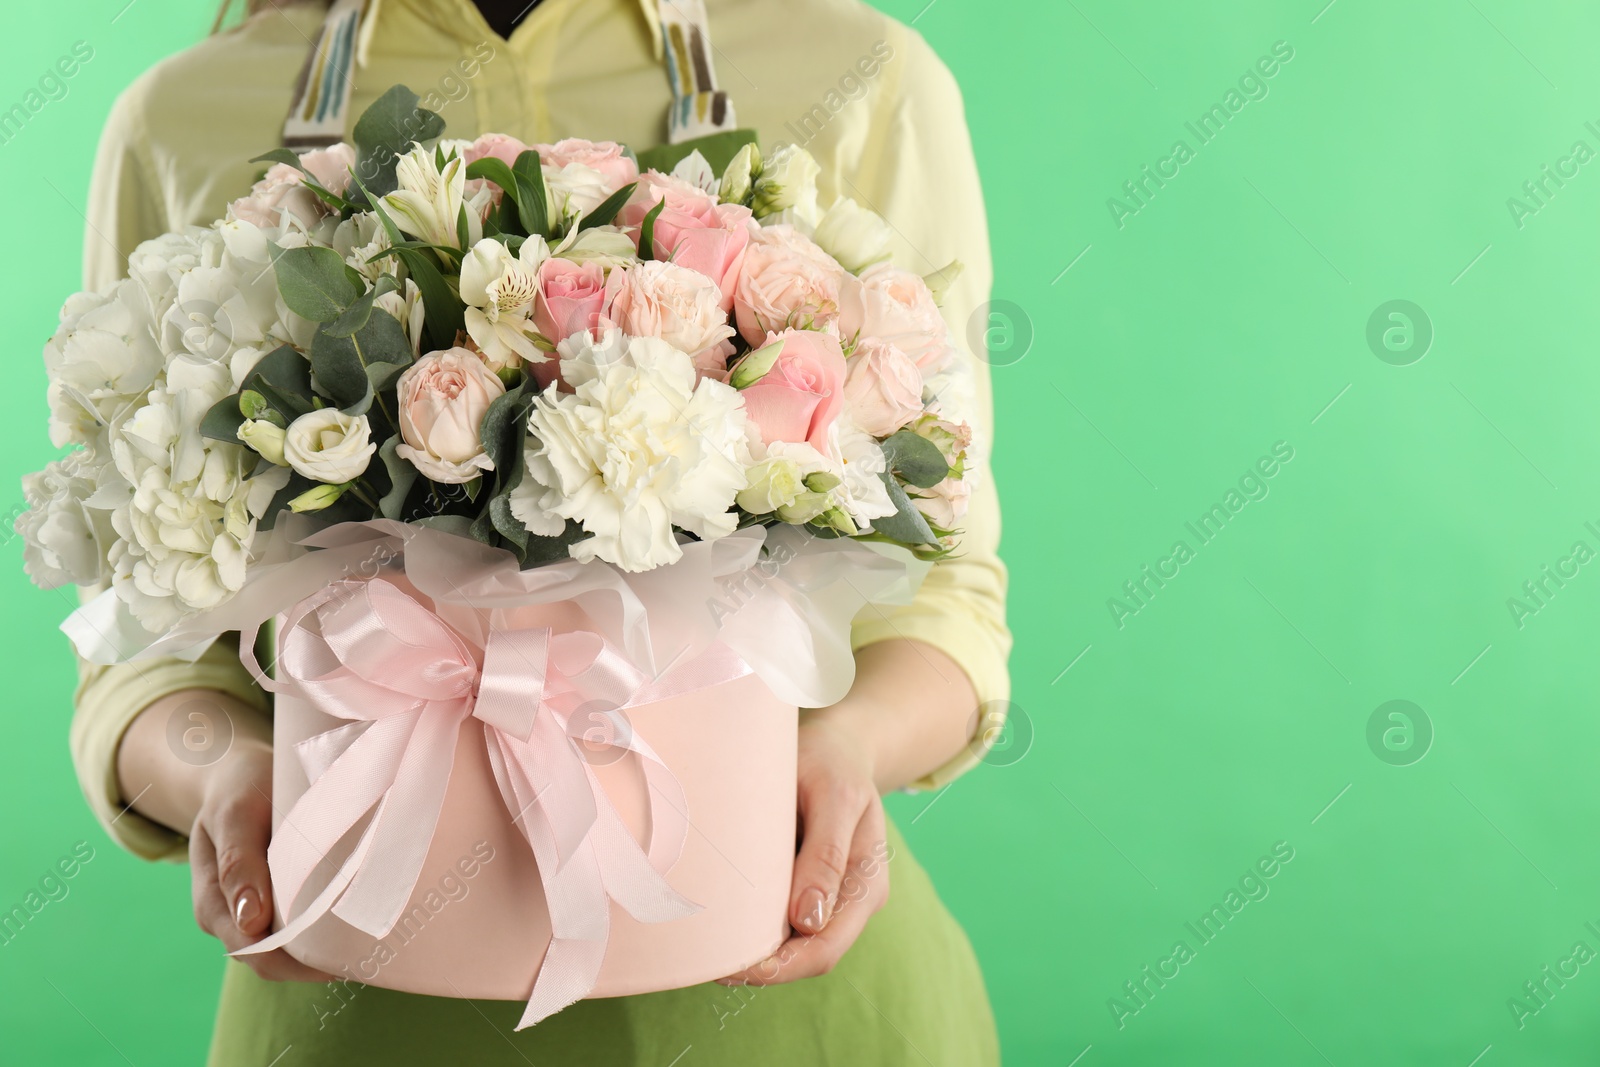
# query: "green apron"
{"points": [[908, 992]]}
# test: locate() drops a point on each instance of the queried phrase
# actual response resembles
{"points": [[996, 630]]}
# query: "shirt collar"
{"points": [[649, 9]]}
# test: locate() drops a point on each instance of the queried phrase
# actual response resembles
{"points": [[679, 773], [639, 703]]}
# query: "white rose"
{"points": [[327, 445], [853, 235]]}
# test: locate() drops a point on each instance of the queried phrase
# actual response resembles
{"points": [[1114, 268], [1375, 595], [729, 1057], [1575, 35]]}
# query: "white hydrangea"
{"points": [[639, 448], [64, 539]]}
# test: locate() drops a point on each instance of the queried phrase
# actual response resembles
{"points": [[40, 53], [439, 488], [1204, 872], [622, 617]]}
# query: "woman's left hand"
{"points": [[841, 875]]}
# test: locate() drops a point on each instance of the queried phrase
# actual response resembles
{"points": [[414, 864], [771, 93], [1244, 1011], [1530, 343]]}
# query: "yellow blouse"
{"points": [[863, 93]]}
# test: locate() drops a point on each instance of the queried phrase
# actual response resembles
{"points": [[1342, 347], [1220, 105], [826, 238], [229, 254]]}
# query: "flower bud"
{"points": [[739, 179], [822, 481], [265, 438], [755, 365], [788, 181], [805, 507], [772, 483], [940, 281], [317, 498]]}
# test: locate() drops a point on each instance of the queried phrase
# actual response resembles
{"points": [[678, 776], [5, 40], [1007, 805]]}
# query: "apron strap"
{"points": [[323, 91], [699, 108], [319, 115]]}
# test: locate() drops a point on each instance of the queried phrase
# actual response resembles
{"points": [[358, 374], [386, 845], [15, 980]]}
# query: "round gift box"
{"points": [[477, 926]]}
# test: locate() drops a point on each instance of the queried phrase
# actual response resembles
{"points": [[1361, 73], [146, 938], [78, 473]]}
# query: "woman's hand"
{"points": [[910, 710], [221, 797], [228, 861], [840, 875]]}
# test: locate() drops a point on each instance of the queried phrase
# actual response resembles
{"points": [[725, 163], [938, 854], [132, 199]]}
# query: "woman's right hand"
{"points": [[228, 861], [219, 792]]}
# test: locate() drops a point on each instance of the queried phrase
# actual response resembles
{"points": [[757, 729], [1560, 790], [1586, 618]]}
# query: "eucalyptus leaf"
{"points": [[907, 524], [316, 282], [283, 378], [223, 419], [401, 477], [384, 132], [918, 459]]}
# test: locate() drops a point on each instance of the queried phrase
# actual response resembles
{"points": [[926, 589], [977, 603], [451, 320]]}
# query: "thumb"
{"points": [[241, 832]]}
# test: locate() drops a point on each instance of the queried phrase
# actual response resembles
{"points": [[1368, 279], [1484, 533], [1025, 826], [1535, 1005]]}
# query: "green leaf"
{"points": [[607, 209], [283, 378], [316, 282], [348, 370], [401, 477], [547, 549], [356, 315], [907, 524], [532, 204], [441, 307], [495, 170], [501, 429], [918, 459], [647, 231], [386, 131], [717, 148], [223, 419]]}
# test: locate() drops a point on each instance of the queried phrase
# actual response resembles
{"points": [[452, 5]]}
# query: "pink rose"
{"points": [[883, 388], [945, 504], [681, 306], [693, 229], [280, 196], [786, 281], [571, 298], [494, 146], [800, 398], [331, 166], [897, 307], [606, 157], [443, 398]]}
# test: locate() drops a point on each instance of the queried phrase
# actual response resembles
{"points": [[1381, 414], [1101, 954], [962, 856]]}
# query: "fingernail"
{"points": [[246, 908], [813, 910]]}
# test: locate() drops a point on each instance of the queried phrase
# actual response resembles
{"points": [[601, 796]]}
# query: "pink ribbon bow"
{"points": [[368, 652]]}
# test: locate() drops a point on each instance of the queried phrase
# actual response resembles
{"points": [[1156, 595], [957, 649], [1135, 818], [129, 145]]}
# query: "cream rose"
{"points": [[898, 307], [681, 306], [443, 398], [786, 281], [327, 445], [883, 388]]}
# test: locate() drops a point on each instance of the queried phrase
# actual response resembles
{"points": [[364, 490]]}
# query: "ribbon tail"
{"points": [[628, 875], [320, 906], [571, 969]]}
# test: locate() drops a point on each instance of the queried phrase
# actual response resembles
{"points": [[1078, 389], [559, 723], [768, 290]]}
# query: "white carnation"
{"points": [[639, 449]]}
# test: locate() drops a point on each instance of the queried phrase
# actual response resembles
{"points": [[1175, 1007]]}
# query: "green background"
{"points": [[1150, 765]]}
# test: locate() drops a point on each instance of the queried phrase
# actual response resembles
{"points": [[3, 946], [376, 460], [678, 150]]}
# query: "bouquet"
{"points": [[553, 464], [542, 348]]}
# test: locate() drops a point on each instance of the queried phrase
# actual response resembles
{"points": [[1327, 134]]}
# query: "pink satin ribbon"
{"points": [[370, 653]]}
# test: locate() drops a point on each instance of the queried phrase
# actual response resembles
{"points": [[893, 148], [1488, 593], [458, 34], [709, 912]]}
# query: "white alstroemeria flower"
{"points": [[605, 245], [407, 308], [638, 449], [856, 236], [694, 169], [429, 200], [498, 289]]}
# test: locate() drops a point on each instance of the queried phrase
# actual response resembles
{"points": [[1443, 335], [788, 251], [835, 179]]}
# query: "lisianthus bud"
{"points": [[788, 180], [838, 519], [805, 507], [773, 483], [822, 481], [739, 179], [856, 236], [265, 438], [755, 365], [317, 498]]}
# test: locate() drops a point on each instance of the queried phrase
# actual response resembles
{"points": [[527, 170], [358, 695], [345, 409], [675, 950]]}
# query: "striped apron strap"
{"points": [[699, 108], [322, 93]]}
